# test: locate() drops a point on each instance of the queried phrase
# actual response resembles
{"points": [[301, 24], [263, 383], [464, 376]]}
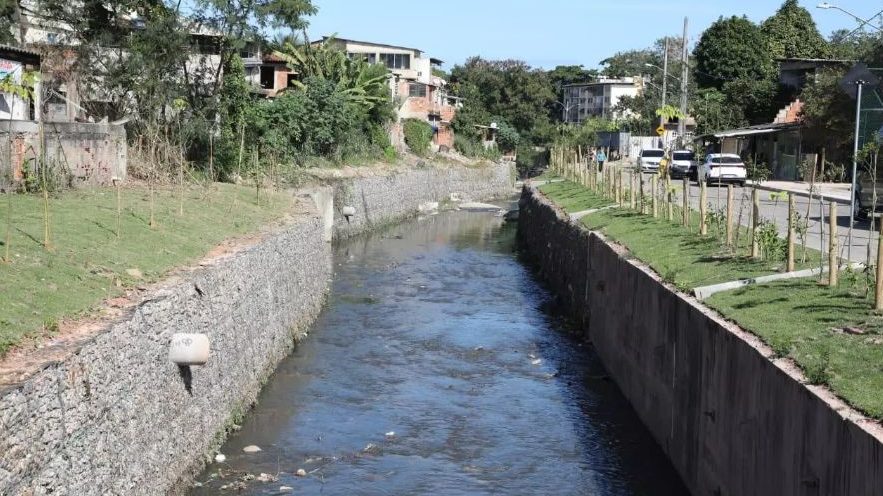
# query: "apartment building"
{"points": [[417, 92], [597, 98]]}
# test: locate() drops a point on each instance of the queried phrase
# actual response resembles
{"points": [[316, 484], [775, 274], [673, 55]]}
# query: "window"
{"points": [[683, 156], [652, 153], [727, 161], [396, 60], [267, 77], [367, 57], [417, 89], [290, 79]]}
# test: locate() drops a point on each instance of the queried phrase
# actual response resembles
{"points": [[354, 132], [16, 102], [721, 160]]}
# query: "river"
{"points": [[438, 368]]}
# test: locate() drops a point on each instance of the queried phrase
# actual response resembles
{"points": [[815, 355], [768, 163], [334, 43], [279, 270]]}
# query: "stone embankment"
{"points": [[382, 198], [106, 412], [733, 419]]}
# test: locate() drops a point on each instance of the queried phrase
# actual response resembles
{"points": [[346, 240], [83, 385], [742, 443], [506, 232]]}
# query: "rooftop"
{"points": [[382, 45]]}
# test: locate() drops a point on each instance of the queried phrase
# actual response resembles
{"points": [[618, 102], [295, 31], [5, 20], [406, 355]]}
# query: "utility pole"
{"points": [[665, 72], [682, 122]]}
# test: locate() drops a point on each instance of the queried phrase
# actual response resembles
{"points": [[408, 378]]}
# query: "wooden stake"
{"points": [[878, 291], [703, 207], [833, 263], [633, 197], [7, 258], [686, 201], [641, 192], [792, 232], [116, 183], [729, 215], [655, 189], [755, 220], [669, 201]]}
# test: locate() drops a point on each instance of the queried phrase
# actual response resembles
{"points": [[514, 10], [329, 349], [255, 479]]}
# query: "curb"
{"points": [[827, 197]]}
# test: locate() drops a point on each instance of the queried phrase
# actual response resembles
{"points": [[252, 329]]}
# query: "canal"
{"points": [[437, 368]]}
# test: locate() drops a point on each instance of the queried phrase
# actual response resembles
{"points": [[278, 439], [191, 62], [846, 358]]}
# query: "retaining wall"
{"points": [[116, 417], [732, 419], [381, 199]]}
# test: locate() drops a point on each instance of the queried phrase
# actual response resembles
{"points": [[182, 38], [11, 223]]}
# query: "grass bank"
{"points": [[798, 319], [87, 262]]}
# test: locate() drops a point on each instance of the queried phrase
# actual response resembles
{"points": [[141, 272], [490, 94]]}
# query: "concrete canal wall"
{"points": [[382, 198], [104, 411], [732, 419]]}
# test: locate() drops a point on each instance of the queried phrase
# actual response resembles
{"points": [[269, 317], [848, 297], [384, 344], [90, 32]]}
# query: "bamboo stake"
{"points": [[729, 215], [878, 290], [755, 220], [792, 232], [703, 207], [833, 264], [641, 192], [669, 201]]}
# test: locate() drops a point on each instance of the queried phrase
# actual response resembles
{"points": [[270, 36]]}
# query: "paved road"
{"points": [[777, 210]]}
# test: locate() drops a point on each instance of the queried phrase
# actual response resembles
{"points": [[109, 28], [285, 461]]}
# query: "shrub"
{"points": [[418, 136], [507, 137]]}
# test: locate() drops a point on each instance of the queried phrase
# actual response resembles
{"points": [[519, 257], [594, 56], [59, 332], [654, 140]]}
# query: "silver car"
{"points": [[649, 158]]}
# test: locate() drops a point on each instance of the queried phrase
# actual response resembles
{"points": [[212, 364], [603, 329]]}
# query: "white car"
{"points": [[722, 168], [683, 164], [648, 159]]}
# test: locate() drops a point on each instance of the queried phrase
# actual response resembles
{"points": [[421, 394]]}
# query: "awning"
{"points": [[754, 130]]}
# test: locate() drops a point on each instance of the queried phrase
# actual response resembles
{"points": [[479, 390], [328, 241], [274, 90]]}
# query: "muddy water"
{"points": [[436, 370]]}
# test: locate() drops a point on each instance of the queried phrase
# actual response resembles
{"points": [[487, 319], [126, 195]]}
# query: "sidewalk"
{"points": [[837, 192]]}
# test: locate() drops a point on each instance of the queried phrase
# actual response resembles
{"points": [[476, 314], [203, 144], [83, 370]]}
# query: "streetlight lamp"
{"points": [[862, 22]]}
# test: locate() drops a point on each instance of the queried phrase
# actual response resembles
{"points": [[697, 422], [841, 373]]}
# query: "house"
{"points": [[14, 64], [268, 73], [597, 98], [778, 145], [417, 92]]}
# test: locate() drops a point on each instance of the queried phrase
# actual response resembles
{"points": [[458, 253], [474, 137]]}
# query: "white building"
{"points": [[597, 98]]}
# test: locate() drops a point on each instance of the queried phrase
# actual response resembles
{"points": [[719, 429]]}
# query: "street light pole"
{"points": [[862, 22], [858, 112], [682, 122]]}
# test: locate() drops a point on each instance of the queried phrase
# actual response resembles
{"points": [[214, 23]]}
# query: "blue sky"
{"points": [[545, 33]]}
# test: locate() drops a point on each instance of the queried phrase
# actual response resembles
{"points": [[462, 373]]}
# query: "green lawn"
{"points": [[87, 263], [679, 255], [797, 318]]}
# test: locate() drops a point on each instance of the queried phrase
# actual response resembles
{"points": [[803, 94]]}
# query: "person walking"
{"points": [[600, 157]]}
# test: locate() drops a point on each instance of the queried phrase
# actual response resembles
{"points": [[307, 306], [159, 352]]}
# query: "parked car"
{"points": [[648, 159], [864, 195], [683, 164], [722, 168]]}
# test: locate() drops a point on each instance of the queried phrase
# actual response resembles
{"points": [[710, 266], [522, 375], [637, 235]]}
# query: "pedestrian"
{"points": [[601, 157]]}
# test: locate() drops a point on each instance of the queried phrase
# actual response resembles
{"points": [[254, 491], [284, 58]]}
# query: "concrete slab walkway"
{"points": [[837, 192]]}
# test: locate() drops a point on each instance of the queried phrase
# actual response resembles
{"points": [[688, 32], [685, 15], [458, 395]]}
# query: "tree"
{"points": [[847, 44], [511, 90], [563, 75], [630, 63], [791, 33], [730, 49]]}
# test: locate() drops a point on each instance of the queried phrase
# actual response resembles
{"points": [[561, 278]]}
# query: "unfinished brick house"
{"points": [[418, 94]]}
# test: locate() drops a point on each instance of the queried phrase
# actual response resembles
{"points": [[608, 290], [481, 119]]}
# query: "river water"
{"points": [[436, 369]]}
